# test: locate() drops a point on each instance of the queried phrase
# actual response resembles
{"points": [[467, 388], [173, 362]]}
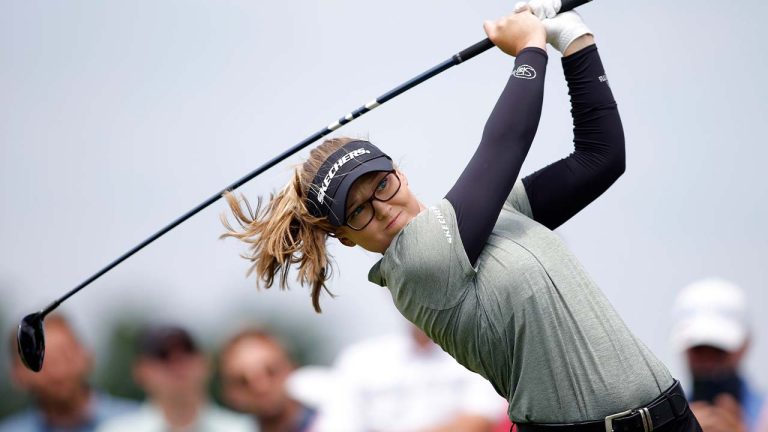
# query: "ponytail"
{"points": [[282, 233]]}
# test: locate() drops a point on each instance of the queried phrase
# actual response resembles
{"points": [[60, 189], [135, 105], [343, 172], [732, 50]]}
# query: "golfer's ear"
{"points": [[346, 242]]}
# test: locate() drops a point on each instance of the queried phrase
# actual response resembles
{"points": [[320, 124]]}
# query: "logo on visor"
{"points": [[525, 72], [335, 169]]}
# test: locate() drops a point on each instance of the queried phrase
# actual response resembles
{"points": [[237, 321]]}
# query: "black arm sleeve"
{"points": [[559, 191], [481, 190]]}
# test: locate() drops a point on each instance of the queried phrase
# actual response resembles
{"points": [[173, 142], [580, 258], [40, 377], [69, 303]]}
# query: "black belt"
{"points": [[669, 406]]}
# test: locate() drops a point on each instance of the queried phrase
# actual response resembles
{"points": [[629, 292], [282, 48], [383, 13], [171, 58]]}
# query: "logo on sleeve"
{"points": [[443, 223], [525, 72]]}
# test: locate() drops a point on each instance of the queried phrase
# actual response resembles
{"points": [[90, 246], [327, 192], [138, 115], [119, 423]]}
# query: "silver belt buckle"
{"points": [[609, 419], [644, 414]]}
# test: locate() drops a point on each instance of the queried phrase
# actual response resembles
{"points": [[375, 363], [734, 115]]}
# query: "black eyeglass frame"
{"points": [[374, 197]]}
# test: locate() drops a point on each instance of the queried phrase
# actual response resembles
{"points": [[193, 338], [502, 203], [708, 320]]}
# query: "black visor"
{"points": [[328, 192]]}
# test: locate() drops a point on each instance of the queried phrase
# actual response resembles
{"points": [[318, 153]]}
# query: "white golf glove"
{"points": [[543, 9], [562, 29]]}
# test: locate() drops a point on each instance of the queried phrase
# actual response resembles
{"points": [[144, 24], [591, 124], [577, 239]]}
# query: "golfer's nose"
{"points": [[381, 208]]}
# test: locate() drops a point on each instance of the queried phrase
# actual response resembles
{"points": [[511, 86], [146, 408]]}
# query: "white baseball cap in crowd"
{"points": [[711, 312]]}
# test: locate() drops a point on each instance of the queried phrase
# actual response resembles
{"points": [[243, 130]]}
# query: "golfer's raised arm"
{"points": [[559, 191], [481, 190]]}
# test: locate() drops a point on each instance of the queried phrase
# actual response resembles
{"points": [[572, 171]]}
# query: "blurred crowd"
{"points": [[393, 383]]}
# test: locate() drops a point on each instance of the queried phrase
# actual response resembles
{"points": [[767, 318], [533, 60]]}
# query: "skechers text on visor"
{"points": [[328, 193]]}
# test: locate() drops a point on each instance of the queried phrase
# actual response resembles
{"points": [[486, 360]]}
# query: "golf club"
{"points": [[30, 336]]}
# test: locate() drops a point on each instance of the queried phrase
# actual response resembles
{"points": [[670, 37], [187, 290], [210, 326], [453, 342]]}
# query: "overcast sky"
{"points": [[116, 117]]}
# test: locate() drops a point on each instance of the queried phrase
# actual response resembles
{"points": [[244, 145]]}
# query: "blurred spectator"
{"points": [[254, 369], [174, 374], [405, 382], [63, 399], [713, 332]]}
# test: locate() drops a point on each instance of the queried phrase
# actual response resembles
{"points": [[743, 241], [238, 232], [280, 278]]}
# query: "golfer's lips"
{"points": [[393, 221]]}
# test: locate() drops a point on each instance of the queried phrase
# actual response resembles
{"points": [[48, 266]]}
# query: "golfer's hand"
{"points": [[543, 9], [517, 31], [566, 32], [723, 416]]}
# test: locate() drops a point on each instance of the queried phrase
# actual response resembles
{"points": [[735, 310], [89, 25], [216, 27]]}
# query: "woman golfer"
{"points": [[481, 272]]}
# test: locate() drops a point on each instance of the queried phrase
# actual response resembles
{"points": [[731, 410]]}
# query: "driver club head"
{"points": [[30, 341]]}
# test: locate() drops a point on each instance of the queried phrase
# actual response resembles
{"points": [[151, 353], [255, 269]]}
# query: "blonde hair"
{"points": [[283, 233]]}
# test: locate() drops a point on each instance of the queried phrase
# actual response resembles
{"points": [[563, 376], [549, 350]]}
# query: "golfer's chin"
{"points": [[393, 229], [383, 239]]}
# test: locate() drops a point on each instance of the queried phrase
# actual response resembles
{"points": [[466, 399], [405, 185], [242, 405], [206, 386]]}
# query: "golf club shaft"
{"points": [[456, 59]]}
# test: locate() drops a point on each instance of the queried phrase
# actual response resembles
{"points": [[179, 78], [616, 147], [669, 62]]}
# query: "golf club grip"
{"points": [[478, 48], [486, 44], [572, 4]]}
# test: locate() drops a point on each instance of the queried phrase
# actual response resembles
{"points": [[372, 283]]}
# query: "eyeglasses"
{"points": [[363, 214]]}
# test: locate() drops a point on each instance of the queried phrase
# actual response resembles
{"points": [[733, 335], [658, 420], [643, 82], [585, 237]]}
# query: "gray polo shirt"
{"points": [[527, 317]]}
